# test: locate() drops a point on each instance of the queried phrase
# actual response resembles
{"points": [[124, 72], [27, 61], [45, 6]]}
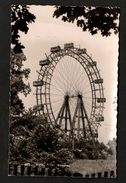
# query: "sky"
{"points": [[48, 32]]}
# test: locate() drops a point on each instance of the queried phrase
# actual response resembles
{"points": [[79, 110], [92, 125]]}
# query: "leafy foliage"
{"points": [[84, 149], [112, 146], [17, 84], [92, 19], [33, 140], [20, 18]]}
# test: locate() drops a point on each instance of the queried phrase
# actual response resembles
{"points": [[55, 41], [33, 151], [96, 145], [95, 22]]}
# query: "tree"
{"points": [[33, 140], [92, 19], [20, 18], [84, 149], [17, 84], [112, 146]]}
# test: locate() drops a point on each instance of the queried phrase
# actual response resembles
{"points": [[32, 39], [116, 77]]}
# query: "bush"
{"points": [[33, 140], [65, 156], [79, 154]]}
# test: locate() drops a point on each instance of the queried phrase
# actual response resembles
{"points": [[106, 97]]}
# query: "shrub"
{"points": [[79, 154]]}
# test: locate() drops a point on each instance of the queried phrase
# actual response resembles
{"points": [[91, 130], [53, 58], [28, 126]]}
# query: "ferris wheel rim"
{"points": [[47, 69]]}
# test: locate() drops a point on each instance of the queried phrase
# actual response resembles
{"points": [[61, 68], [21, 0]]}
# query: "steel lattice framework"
{"points": [[74, 119]]}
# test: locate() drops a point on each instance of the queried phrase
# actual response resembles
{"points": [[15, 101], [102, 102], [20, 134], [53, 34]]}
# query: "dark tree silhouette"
{"points": [[17, 84], [92, 19], [20, 18], [33, 140]]}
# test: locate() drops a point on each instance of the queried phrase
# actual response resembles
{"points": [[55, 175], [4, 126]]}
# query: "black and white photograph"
{"points": [[63, 91]]}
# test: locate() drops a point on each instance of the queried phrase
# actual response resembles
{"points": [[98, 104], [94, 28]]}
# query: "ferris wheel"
{"points": [[69, 91]]}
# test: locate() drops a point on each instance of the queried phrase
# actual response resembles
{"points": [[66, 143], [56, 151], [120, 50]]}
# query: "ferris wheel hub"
{"points": [[73, 96]]}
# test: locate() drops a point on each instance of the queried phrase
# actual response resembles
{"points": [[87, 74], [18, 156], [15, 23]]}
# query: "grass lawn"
{"points": [[92, 166]]}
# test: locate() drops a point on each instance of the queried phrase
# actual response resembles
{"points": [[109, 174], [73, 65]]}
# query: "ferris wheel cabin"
{"points": [[68, 45], [38, 83], [44, 62], [97, 81], [94, 63], [101, 100], [55, 49], [80, 51], [100, 118]]}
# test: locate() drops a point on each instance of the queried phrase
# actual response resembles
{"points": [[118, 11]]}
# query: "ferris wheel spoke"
{"points": [[63, 77], [57, 94], [88, 98], [87, 92], [59, 80], [56, 98], [63, 80], [57, 89], [64, 66], [88, 110], [56, 109], [76, 83], [62, 83], [58, 85], [71, 74], [56, 101], [82, 79], [84, 86], [87, 102], [68, 81]]}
